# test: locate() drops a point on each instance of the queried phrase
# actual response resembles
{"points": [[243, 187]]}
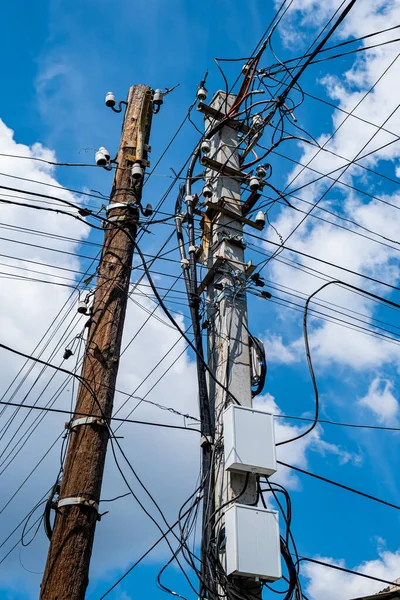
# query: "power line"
{"points": [[344, 570], [318, 48], [326, 142], [350, 114], [116, 419], [339, 45], [326, 262], [327, 304], [340, 55], [340, 485], [339, 423]]}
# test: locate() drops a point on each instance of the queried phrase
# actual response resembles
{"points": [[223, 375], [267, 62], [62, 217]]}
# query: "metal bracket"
{"points": [[132, 146], [210, 274], [137, 156], [127, 205], [78, 501], [133, 159], [219, 207], [86, 421], [222, 169], [218, 115]]}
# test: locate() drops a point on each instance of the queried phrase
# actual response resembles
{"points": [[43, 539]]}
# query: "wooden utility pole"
{"points": [[67, 567], [228, 339]]}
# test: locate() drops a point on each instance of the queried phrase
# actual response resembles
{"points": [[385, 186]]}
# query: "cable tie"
{"points": [[188, 198], [192, 249], [184, 262]]}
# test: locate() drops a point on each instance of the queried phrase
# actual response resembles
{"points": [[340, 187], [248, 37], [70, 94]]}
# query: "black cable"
{"points": [[339, 423], [344, 570], [350, 114], [268, 72], [319, 47], [48, 528], [30, 474], [117, 419], [307, 345], [340, 485], [39, 503], [336, 180], [326, 262], [160, 539], [306, 269], [170, 317], [260, 351], [343, 169], [170, 528], [337, 216], [116, 497]]}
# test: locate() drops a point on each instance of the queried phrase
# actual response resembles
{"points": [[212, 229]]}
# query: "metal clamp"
{"points": [[78, 501], [206, 440], [86, 421], [117, 205]]}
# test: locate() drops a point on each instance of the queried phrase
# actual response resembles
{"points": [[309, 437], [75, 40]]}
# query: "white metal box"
{"points": [[249, 440], [252, 542]]}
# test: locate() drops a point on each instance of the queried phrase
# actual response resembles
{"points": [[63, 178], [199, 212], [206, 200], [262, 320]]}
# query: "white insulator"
{"points": [[110, 100], [257, 120], [82, 307], [205, 147], [260, 218], [201, 94], [254, 183], [137, 171], [158, 97], [100, 158], [207, 191], [105, 152]]}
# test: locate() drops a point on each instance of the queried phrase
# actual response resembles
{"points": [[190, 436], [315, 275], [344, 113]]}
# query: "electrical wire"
{"points": [[340, 485], [308, 352]]}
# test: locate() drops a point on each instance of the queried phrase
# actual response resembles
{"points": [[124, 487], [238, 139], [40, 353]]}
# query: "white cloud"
{"points": [[332, 342], [381, 401], [329, 584], [277, 351], [28, 308], [297, 453]]}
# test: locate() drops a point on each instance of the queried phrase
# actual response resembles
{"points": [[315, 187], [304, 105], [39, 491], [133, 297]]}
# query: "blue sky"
{"points": [[59, 60]]}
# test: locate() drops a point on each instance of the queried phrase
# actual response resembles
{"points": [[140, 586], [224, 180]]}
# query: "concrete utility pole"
{"points": [[67, 567], [228, 340]]}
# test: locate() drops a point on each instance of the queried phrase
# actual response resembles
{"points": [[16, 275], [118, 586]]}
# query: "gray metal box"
{"points": [[249, 440], [252, 542]]}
